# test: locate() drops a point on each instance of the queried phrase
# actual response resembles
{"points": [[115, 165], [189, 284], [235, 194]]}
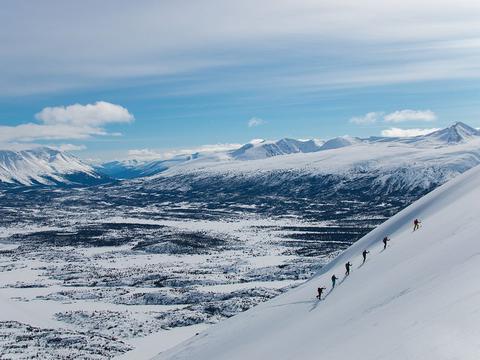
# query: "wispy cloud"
{"points": [[369, 118], [69, 147], [255, 121], [410, 115], [394, 117], [152, 154], [68, 122], [144, 154], [436, 44], [396, 132]]}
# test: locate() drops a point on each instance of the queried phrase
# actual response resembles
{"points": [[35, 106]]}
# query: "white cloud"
{"points": [[396, 132], [368, 118], [68, 122], [150, 154], [144, 154], [69, 147], [255, 121], [100, 113], [410, 115], [31, 132], [214, 148]]}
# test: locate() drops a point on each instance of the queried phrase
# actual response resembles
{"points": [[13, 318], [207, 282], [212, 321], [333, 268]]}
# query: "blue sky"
{"points": [[113, 78]]}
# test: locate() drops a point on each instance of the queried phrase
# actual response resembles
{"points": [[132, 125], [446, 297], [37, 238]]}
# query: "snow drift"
{"points": [[418, 299]]}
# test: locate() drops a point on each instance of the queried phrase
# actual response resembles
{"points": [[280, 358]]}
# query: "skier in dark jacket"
{"points": [[334, 280], [416, 224], [320, 291], [347, 268], [385, 241], [364, 254]]}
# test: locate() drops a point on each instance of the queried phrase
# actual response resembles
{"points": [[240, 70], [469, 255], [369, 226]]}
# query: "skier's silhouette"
{"points": [[320, 291], [385, 241], [347, 268], [334, 280], [416, 224], [364, 254]]}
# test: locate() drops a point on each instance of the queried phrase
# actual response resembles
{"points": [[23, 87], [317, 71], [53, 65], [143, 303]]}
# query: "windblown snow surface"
{"points": [[418, 299]]}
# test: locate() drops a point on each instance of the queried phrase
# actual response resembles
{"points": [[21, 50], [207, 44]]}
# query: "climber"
{"points": [[364, 254], [334, 279], [320, 291], [416, 224], [385, 240], [347, 267]]}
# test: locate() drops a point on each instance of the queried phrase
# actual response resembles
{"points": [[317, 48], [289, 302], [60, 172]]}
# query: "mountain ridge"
{"points": [[421, 287], [46, 166], [458, 133]]}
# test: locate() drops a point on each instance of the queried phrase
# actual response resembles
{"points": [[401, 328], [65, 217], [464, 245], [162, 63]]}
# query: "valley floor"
{"points": [[103, 283]]}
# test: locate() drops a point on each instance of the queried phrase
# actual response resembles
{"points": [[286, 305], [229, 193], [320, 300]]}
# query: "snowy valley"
{"points": [[142, 255]]}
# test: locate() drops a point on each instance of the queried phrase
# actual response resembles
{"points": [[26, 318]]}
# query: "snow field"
{"points": [[418, 299]]}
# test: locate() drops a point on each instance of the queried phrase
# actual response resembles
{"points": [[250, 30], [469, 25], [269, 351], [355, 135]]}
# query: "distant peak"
{"points": [[256, 141], [463, 126], [456, 133]]}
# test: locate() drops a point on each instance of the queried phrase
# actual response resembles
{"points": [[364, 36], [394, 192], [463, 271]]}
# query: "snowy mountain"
{"points": [[257, 149], [418, 299], [339, 142], [447, 152], [370, 166], [457, 133], [132, 168], [46, 166], [397, 163], [265, 149]]}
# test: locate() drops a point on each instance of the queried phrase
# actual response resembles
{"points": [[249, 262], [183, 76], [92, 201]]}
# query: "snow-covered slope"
{"points": [[266, 149], [339, 142], [132, 168], [418, 299], [44, 165], [457, 133], [434, 152], [257, 149], [380, 165]]}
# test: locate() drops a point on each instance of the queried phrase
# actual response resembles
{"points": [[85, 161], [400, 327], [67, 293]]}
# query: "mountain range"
{"points": [[450, 151], [415, 299]]}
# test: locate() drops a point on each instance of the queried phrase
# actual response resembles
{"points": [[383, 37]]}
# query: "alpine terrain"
{"points": [[417, 299], [46, 166], [141, 255], [235, 180]]}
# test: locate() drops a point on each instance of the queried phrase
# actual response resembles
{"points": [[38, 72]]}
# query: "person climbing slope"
{"points": [[347, 268], [320, 291], [334, 280], [416, 224], [385, 241], [364, 254]]}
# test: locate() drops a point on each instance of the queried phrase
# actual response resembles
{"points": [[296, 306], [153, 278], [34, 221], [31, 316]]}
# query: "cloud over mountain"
{"points": [[410, 115], [397, 132]]}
